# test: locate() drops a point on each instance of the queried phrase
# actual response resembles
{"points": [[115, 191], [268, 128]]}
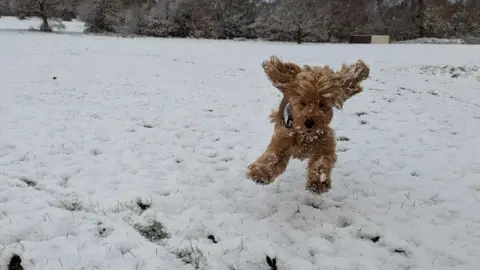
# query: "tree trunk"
{"points": [[45, 27], [421, 18], [298, 35]]}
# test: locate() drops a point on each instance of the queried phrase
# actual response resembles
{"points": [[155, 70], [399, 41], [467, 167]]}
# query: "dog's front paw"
{"points": [[260, 173], [320, 186]]}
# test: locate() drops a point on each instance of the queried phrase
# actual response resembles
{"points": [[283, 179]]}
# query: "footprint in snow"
{"points": [[222, 168], [226, 159]]}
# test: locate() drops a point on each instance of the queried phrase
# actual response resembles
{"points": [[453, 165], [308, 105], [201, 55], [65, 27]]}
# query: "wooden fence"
{"points": [[369, 39]]}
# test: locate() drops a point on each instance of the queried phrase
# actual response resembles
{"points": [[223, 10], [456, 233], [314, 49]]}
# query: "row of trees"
{"points": [[279, 20]]}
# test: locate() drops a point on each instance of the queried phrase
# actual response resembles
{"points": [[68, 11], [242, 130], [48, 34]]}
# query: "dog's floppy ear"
{"points": [[352, 75], [281, 74]]}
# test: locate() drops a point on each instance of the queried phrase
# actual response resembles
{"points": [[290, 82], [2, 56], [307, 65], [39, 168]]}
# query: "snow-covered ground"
{"points": [[120, 153], [430, 40]]}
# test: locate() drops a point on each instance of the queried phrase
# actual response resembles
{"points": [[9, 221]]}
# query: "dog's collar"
{"points": [[287, 116]]}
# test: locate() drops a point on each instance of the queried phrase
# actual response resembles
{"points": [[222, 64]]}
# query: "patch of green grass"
{"points": [[193, 256], [155, 231], [74, 205]]}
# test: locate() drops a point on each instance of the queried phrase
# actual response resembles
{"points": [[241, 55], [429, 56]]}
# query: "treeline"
{"points": [[275, 20]]}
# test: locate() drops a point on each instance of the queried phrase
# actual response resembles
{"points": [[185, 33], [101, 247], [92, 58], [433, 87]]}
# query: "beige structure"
{"points": [[370, 39], [380, 39]]}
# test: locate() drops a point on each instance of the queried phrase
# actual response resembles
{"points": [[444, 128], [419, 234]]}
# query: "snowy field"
{"points": [[120, 153]]}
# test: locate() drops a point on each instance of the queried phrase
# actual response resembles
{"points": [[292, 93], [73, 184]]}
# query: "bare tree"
{"points": [[231, 18], [465, 17], [6, 8], [378, 21], [346, 17], [44, 9], [282, 20], [298, 18], [101, 15], [161, 17], [193, 18], [137, 15]]}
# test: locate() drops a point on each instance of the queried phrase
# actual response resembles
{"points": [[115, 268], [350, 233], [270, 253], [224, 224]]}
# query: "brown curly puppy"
{"points": [[302, 120]]}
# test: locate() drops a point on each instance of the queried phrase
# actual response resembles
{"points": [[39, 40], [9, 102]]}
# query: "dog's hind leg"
{"points": [[272, 162]]}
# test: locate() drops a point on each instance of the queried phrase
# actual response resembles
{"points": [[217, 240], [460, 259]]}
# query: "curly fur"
{"points": [[312, 92]]}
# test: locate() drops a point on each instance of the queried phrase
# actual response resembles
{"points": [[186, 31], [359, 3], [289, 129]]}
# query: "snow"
{"points": [[175, 122], [431, 40]]}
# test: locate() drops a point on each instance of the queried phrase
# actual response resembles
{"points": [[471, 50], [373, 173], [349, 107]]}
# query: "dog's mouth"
{"points": [[309, 132], [313, 132]]}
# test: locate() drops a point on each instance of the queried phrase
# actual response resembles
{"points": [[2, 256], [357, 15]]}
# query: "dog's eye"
{"points": [[323, 106], [303, 103]]}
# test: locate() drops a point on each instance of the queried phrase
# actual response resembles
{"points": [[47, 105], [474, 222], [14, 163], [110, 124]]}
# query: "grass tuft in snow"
{"points": [[343, 139], [374, 239], [328, 237], [15, 263], [193, 256], [28, 181], [147, 126], [401, 252], [155, 231], [414, 174], [212, 238], [138, 206], [142, 204], [272, 263], [72, 206]]}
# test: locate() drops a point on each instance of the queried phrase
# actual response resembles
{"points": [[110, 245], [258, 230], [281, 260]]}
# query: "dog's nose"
{"points": [[309, 123]]}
